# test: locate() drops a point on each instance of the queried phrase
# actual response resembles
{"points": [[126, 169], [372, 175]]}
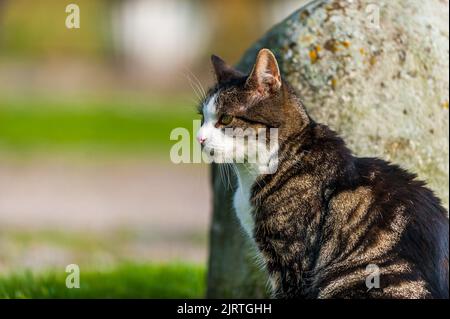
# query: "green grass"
{"points": [[124, 281], [92, 126], [37, 28]]}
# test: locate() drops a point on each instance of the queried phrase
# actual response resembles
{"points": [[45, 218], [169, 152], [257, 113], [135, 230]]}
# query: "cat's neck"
{"points": [[246, 175]]}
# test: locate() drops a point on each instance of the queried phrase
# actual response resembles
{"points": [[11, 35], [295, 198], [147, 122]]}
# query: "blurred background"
{"points": [[85, 118]]}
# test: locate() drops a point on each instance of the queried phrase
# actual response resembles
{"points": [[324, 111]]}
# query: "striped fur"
{"points": [[325, 215]]}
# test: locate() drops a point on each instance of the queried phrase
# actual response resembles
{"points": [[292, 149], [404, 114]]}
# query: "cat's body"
{"points": [[325, 221], [325, 215]]}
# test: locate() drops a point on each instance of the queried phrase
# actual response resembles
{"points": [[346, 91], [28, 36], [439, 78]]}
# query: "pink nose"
{"points": [[201, 139]]}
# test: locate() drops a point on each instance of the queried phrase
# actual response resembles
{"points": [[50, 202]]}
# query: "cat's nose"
{"points": [[201, 139]]}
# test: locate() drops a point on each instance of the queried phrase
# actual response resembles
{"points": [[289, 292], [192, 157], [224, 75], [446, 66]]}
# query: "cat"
{"points": [[324, 217]]}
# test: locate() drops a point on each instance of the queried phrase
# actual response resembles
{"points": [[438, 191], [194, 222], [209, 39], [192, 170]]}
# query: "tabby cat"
{"points": [[323, 216]]}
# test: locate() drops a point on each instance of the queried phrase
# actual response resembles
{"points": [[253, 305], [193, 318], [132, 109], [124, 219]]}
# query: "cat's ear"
{"points": [[265, 77], [223, 71]]}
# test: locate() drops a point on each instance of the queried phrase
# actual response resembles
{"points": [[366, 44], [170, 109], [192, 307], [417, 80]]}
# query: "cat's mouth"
{"points": [[208, 150]]}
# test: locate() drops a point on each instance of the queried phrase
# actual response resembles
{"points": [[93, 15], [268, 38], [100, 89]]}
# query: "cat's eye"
{"points": [[226, 119]]}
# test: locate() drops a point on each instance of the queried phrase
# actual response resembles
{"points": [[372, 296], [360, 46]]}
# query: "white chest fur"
{"points": [[245, 212], [241, 201]]}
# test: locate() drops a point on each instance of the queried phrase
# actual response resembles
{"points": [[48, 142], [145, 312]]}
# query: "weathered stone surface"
{"points": [[383, 84], [385, 89]]}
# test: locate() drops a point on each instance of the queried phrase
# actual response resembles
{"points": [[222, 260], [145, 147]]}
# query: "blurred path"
{"points": [[104, 195], [164, 207]]}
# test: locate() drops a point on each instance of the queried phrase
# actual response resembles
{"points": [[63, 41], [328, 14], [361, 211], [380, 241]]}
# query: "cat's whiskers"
{"points": [[195, 84], [228, 174], [221, 174], [199, 83], [195, 89], [224, 171]]}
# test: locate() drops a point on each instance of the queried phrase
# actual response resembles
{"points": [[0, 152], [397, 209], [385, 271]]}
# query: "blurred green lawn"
{"points": [[107, 268], [98, 126], [176, 280], [112, 126]]}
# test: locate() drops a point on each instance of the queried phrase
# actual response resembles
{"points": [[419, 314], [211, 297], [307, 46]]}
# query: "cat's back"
{"points": [[390, 218]]}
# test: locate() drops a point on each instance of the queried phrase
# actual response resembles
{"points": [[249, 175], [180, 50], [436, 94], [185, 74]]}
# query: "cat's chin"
{"points": [[215, 156]]}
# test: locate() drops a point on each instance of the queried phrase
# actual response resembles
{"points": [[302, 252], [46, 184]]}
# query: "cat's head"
{"points": [[240, 111]]}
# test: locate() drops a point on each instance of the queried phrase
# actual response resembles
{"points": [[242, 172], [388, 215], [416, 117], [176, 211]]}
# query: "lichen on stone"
{"points": [[383, 87]]}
